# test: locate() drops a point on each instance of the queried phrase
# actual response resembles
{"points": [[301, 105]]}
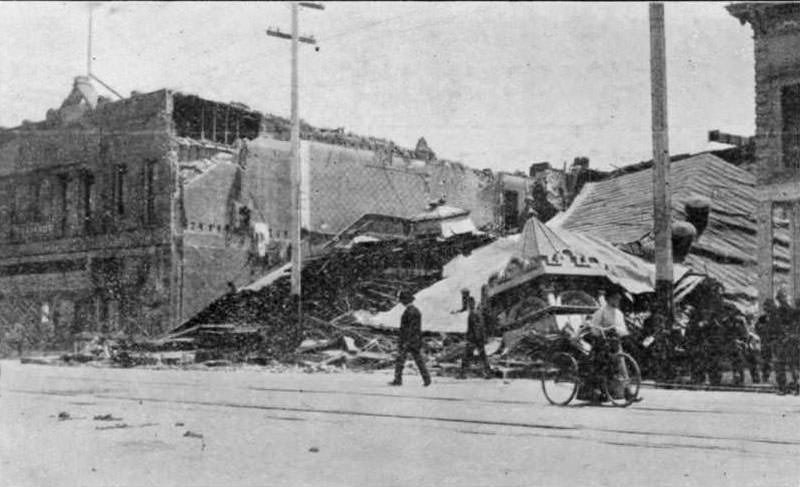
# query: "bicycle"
{"points": [[562, 376]]}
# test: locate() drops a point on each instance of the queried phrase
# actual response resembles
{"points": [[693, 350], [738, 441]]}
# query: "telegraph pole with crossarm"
{"points": [[296, 173]]}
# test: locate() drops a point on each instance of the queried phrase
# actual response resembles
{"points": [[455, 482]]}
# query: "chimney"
{"points": [[580, 163], [538, 168], [85, 88]]}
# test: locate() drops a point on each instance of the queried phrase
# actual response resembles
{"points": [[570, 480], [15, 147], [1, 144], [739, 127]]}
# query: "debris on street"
{"points": [[106, 417]]}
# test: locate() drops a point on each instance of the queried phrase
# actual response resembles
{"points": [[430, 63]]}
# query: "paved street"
{"points": [[262, 428]]}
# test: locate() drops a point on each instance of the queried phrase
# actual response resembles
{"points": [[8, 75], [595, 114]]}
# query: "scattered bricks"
{"points": [[106, 417], [113, 427]]}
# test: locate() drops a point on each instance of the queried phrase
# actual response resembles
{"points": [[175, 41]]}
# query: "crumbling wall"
{"points": [[209, 264], [208, 198], [347, 183], [266, 186]]}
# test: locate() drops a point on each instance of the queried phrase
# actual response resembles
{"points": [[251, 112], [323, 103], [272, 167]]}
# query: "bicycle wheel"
{"points": [[621, 384], [560, 379]]}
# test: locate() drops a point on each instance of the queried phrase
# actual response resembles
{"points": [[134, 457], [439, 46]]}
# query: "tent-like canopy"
{"points": [[553, 251]]}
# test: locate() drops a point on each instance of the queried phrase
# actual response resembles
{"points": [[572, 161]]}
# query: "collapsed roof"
{"points": [[620, 210], [600, 260]]}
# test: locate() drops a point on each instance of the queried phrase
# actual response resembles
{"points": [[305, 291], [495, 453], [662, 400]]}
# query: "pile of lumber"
{"points": [[266, 324]]}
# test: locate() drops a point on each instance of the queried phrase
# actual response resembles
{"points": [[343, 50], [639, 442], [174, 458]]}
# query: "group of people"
{"points": [[410, 338], [707, 340], [779, 330], [480, 323]]}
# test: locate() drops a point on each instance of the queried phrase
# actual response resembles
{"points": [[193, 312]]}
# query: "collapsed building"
{"points": [[619, 210], [133, 215]]}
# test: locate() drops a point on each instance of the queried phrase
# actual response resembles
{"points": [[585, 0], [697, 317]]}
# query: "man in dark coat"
{"points": [[476, 339], [780, 316], [785, 352], [410, 341]]}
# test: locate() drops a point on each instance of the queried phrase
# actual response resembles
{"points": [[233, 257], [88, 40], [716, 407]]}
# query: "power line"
{"points": [[438, 21]]}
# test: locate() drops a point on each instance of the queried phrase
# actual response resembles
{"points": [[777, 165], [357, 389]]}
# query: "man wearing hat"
{"points": [[410, 341], [608, 318], [476, 340]]}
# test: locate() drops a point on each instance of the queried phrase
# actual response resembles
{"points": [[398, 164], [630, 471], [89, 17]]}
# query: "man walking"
{"points": [[476, 339], [410, 341]]}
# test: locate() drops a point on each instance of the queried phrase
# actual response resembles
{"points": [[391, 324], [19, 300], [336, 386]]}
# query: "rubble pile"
{"points": [[261, 325]]}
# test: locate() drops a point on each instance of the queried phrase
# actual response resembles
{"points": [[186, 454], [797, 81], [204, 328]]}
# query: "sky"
{"points": [[494, 85]]}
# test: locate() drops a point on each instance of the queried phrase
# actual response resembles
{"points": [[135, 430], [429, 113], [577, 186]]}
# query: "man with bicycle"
{"points": [[606, 327]]}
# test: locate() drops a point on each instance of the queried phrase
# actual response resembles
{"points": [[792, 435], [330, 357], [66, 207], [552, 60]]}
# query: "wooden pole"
{"points": [[89, 45], [661, 191], [296, 285]]}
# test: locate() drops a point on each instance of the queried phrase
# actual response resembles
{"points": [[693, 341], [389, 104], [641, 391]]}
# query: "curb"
{"points": [[766, 389]]}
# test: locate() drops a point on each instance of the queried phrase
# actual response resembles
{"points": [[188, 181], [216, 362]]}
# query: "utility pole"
{"points": [[295, 171], [661, 191], [89, 44]]}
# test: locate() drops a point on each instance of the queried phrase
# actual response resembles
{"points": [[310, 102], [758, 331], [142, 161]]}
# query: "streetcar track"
{"points": [[638, 408], [443, 419]]}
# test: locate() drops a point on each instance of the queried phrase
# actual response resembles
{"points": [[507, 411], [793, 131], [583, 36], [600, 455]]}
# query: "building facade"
{"points": [[776, 37], [92, 213], [133, 215]]}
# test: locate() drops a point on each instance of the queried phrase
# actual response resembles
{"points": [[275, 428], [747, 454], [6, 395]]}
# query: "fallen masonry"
{"points": [[261, 326]]}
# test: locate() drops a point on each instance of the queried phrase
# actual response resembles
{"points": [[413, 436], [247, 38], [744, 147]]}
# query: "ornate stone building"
{"points": [[776, 36]]}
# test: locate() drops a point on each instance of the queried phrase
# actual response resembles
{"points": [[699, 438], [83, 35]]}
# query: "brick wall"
{"points": [[124, 146], [777, 64], [209, 263], [776, 43], [208, 198], [346, 183]]}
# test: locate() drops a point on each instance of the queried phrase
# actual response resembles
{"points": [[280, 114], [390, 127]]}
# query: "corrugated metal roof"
{"points": [[620, 211]]}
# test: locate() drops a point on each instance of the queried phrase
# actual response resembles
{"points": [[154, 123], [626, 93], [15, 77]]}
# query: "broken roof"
{"points": [[474, 270], [620, 211], [440, 212]]}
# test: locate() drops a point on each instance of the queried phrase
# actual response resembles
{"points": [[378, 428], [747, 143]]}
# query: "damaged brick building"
{"points": [[132, 215], [776, 40]]}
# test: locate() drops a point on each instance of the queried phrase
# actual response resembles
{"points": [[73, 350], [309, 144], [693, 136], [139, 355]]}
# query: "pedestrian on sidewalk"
{"points": [[410, 341], [476, 339]]}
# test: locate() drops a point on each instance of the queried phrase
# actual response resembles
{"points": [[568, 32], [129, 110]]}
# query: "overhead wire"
{"points": [[336, 38], [438, 21]]}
